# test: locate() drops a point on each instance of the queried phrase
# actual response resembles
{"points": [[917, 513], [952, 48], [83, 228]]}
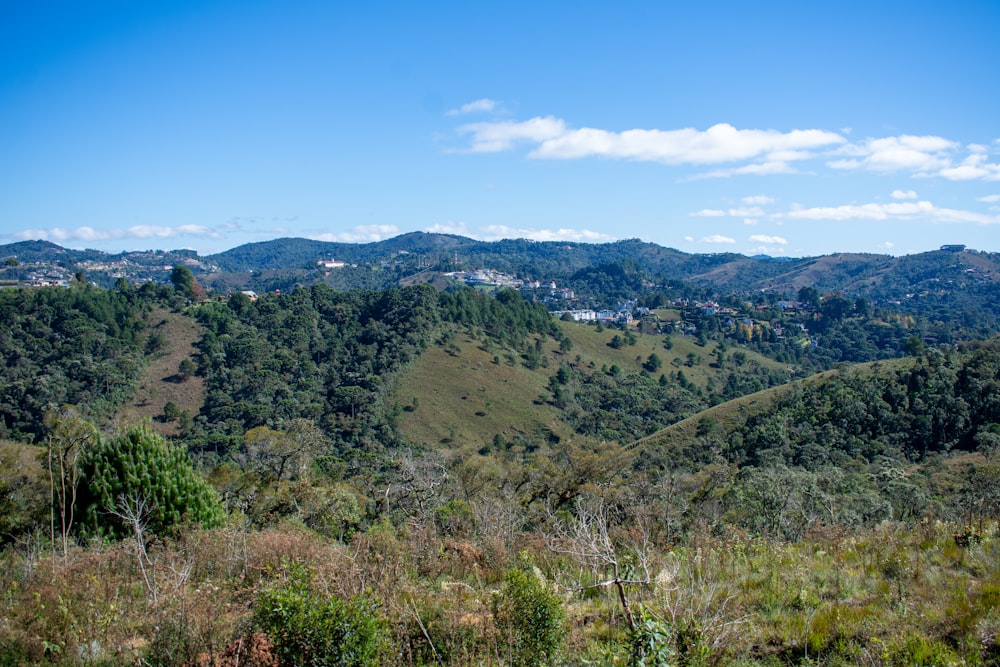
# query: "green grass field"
{"points": [[464, 397]]}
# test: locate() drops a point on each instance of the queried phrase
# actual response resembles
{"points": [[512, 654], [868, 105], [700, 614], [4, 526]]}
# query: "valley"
{"points": [[752, 462]]}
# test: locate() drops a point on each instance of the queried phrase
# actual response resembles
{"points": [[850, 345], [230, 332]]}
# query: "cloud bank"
{"points": [[91, 234], [498, 232], [748, 151], [553, 139], [359, 234]]}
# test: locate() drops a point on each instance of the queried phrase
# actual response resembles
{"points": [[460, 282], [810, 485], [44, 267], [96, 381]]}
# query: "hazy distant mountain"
{"points": [[304, 253], [34, 251], [954, 276]]}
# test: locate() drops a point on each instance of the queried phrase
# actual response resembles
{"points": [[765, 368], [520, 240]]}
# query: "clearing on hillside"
{"points": [[162, 381]]}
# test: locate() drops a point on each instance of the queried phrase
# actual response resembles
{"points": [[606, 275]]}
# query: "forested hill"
{"points": [[923, 275], [304, 253], [905, 410]]}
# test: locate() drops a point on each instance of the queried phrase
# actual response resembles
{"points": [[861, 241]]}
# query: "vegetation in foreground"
{"points": [[852, 522], [927, 594]]}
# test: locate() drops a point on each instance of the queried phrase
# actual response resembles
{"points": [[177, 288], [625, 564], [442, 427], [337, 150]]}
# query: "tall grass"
{"points": [[892, 595]]}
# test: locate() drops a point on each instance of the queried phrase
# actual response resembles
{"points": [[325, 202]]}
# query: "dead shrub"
{"points": [[253, 650]]}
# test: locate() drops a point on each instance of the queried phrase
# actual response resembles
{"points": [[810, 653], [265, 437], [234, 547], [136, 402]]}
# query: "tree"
{"points": [[184, 282], [836, 307], [809, 296], [138, 465], [70, 437], [589, 537], [171, 411], [653, 363], [914, 346], [187, 368], [281, 455]]}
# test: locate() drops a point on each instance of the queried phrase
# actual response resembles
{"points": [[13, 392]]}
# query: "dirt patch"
{"points": [[162, 382]]}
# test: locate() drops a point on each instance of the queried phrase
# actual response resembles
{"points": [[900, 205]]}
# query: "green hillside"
{"points": [[729, 414], [471, 390], [904, 408], [424, 472]]}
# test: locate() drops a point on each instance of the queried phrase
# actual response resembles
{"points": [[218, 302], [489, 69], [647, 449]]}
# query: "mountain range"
{"points": [[950, 269]]}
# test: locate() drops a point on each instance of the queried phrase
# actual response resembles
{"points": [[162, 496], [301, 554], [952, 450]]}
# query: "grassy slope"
{"points": [[465, 398], [160, 382]]}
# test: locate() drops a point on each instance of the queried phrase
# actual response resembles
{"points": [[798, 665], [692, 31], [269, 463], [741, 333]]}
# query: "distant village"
{"points": [[626, 313]]}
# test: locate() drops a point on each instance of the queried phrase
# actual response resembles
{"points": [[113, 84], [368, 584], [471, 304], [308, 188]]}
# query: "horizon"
{"points": [[295, 238], [766, 129]]}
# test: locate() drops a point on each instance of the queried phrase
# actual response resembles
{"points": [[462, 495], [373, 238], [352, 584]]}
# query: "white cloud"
{"points": [[740, 212], [888, 245], [90, 234], [498, 232], [717, 238], [756, 169], [689, 239], [768, 250], [757, 200], [989, 199], [746, 151], [748, 212], [483, 105], [749, 221], [360, 234], [771, 240], [897, 211], [450, 227], [718, 144], [920, 154], [904, 194], [974, 167], [503, 136]]}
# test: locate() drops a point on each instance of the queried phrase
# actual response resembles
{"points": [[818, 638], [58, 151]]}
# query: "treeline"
{"points": [[313, 353], [622, 406], [82, 346]]}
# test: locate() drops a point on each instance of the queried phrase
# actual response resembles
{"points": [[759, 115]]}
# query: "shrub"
{"points": [[650, 642], [529, 618], [307, 628]]}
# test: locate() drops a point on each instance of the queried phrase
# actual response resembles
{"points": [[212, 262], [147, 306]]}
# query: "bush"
{"points": [[650, 642], [528, 617], [307, 628]]}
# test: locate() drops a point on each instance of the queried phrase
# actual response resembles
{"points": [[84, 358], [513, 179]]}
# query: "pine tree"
{"points": [[139, 465]]}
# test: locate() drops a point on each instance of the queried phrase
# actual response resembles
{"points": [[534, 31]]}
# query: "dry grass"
{"points": [[161, 383], [886, 596]]}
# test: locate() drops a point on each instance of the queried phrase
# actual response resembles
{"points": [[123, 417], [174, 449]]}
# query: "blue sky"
{"points": [[780, 128]]}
